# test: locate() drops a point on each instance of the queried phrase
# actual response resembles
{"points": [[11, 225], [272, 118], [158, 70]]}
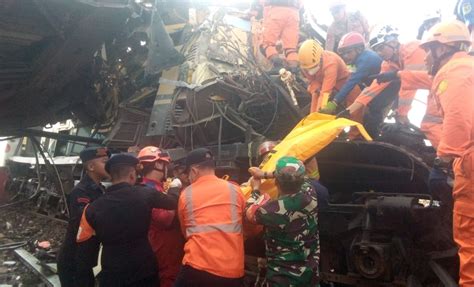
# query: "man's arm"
{"points": [[87, 251], [362, 72], [161, 200], [457, 101]]}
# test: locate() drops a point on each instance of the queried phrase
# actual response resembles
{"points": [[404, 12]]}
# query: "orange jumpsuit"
{"points": [[453, 90], [281, 23], [328, 80], [432, 123], [411, 58]]}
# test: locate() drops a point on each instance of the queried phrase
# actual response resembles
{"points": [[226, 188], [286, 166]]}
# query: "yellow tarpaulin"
{"points": [[307, 138]]}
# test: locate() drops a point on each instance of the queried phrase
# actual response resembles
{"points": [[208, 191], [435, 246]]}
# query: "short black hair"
{"points": [[120, 171]]}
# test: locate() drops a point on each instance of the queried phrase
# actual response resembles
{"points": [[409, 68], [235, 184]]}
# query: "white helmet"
{"points": [[383, 35], [432, 16]]}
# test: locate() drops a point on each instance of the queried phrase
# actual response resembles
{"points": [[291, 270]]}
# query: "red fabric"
{"points": [[281, 23], [165, 239]]}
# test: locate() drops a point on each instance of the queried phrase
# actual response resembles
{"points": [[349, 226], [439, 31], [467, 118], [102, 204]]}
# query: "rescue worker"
{"points": [[429, 21], [291, 226], [396, 57], [366, 62], [281, 20], [86, 191], [164, 234], [326, 73], [344, 22], [453, 89], [210, 212], [120, 220]]}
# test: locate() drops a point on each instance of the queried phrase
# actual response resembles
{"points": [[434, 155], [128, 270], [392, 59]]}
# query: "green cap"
{"points": [[289, 168]]}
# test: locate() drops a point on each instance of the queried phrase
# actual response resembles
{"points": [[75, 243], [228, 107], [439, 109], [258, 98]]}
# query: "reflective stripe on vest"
{"points": [[432, 119], [234, 227]]}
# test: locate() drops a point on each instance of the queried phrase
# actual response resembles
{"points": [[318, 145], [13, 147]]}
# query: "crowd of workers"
{"points": [[190, 231]]}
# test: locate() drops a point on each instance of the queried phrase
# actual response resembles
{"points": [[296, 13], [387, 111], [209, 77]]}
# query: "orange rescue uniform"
{"points": [[328, 80], [281, 23], [453, 89], [432, 123], [210, 212], [411, 58]]}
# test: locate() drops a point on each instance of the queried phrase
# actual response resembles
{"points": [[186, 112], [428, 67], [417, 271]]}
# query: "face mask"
{"points": [[314, 70]]}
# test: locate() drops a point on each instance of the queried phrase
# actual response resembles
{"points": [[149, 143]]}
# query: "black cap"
{"points": [[199, 156], [91, 153], [122, 159]]}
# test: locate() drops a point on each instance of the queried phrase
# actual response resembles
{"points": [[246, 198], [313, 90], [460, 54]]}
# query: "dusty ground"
{"points": [[20, 224]]}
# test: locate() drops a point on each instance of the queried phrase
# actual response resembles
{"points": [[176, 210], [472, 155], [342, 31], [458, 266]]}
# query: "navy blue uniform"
{"points": [[85, 192]]}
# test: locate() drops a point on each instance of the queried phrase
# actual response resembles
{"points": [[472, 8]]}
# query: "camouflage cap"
{"points": [[290, 168]]}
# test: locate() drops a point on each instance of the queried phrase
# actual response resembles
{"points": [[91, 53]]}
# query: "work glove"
{"points": [[385, 77], [330, 108], [390, 128], [344, 114]]}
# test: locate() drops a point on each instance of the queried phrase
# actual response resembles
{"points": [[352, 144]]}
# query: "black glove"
{"points": [[344, 114], [390, 128], [385, 77]]}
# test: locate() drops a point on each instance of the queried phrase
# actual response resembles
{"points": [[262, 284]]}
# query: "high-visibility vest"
{"points": [[210, 212]]}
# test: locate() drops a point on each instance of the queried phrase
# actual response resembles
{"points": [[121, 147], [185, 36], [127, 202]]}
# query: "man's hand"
{"points": [[385, 77], [330, 108], [256, 173], [255, 183], [344, 114]]}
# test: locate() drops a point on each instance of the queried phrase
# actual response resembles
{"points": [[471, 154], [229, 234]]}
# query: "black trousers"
{"points": [[379, 107], [66, 264], [190, 277]]}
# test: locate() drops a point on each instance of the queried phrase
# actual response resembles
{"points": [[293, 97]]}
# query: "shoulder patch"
{"points": [[442, 87]]}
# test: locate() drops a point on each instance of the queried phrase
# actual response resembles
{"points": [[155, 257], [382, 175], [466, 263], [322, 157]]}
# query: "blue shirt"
{"points": [[368, 63]]}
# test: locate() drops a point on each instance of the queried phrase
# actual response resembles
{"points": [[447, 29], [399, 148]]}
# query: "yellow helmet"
{"points": [[448, 32], [310, 54]]}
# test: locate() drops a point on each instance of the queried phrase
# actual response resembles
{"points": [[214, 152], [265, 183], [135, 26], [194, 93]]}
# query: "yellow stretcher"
{"points": [[307, 138]]}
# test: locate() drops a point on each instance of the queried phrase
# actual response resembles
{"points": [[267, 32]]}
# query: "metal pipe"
{"points": [[57, 136]]}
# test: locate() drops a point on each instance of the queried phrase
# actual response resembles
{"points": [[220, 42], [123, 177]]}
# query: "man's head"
{"points": [[93, 160], [155, 163], [443, 41], [179, 171], [122, 168], [199, 162], [310, 57], [338, 10], [385, 43], [351, 46], [289, 174]]}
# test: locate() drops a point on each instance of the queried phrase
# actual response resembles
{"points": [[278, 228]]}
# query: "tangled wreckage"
{"points": [[128, 73]]}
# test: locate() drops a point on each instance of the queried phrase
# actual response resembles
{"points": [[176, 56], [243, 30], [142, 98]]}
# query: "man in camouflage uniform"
{"points": [[291, 229], [344, 22]]}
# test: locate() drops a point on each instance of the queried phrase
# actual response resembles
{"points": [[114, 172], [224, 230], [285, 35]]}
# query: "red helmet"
{"points": [[152, 154], [351, 40], [266, 147]]}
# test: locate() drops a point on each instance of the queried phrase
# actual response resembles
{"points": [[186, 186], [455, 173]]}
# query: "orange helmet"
{"points": [[450, 33], [266, 147], [310, 54], [152, 154], [351, 40]]}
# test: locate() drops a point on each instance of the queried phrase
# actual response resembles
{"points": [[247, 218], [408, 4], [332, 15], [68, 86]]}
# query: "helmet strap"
{"points": [[438, 59]]}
